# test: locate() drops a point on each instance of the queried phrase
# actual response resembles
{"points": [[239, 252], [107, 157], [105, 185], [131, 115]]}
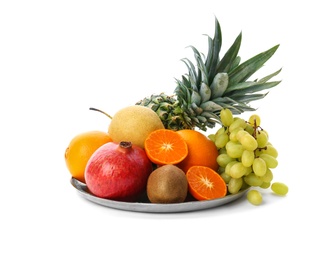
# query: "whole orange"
{"points": [[80, 149], [201, 150]]}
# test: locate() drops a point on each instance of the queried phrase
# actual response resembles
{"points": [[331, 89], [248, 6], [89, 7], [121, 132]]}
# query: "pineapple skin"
{"points": [[169, 111]]}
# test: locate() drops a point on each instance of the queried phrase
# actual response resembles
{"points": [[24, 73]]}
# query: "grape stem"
{"points": [[255, 126]]}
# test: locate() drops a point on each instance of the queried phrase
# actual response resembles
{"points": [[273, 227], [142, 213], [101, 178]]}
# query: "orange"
{"points": [[201, 150], [80, 149], [205, 184], [165, 146]]}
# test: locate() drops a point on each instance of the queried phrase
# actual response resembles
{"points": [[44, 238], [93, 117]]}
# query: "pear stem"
{"points": [[95, 109]]}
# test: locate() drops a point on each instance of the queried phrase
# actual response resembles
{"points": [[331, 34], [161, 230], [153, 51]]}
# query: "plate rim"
{"points": [[155, 207]]}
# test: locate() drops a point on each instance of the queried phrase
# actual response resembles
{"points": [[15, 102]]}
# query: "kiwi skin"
{"points": [[167, 184]]}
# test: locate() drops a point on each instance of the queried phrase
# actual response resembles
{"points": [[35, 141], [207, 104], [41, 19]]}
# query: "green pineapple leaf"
{"points": [[230, 59], [268, 77], [244, 88], [246, 69], [214, 49]]}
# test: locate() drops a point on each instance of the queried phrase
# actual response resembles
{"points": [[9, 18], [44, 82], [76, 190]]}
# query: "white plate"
{"points": [[154, 207]]}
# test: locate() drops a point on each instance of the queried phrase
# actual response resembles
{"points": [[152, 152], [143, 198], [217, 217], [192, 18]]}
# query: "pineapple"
{"points": [[211, 84]]}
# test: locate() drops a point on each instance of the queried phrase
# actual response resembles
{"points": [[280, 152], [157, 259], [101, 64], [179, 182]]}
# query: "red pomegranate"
{"points": [[118, 171]]}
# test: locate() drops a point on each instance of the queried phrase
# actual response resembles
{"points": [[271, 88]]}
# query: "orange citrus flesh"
{"points": [[205, 184], [165, 146]]}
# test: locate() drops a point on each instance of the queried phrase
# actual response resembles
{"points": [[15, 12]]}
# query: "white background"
{"points": [[58, 58]]}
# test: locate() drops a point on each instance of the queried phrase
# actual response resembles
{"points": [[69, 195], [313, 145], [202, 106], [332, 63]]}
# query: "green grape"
{"points": [[265, 133], [234, 149], [221, 140], [240, 134], [229, 165], [234, 185], [248, 142], [234, 133], [268, 176], [265, 185], [270, 161], [254, 197], [252, 179], [238, 122], [249, 128], [226, 117], [270, 149], [237, 170], [247, 158], [279, 188], [221, 130], [248, 171], [257, 152], [262, 138], [212, 137], [225, 177], [223, 159], [259, 166], [244, 185], [256, 119]]}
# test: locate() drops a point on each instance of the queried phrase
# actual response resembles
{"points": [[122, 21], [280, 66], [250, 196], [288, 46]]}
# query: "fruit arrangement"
{"points": [[155, 150]]}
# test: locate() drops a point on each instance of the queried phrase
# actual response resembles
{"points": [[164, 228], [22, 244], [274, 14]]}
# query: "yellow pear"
{"points": [[133, 124]]}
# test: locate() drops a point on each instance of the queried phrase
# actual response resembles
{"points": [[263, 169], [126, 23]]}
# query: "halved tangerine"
{"points": [[205, 183], [164, 146]]}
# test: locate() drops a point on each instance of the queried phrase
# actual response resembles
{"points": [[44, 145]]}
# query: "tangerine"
{"points": [[81, 148], [165, 146], [205, 184], [201, 150]]}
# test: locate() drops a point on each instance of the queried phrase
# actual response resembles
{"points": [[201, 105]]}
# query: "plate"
{"points": [[154, 207]]}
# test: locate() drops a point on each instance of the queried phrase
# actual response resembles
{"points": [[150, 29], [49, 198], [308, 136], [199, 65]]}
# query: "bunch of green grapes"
{"points": [[246, 157]]}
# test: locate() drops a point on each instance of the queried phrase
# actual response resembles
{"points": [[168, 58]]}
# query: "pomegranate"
{"points": [[118, 171]]}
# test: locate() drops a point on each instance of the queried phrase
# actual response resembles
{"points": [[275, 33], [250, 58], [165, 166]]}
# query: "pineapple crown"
{"points": [[214, 83]]}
